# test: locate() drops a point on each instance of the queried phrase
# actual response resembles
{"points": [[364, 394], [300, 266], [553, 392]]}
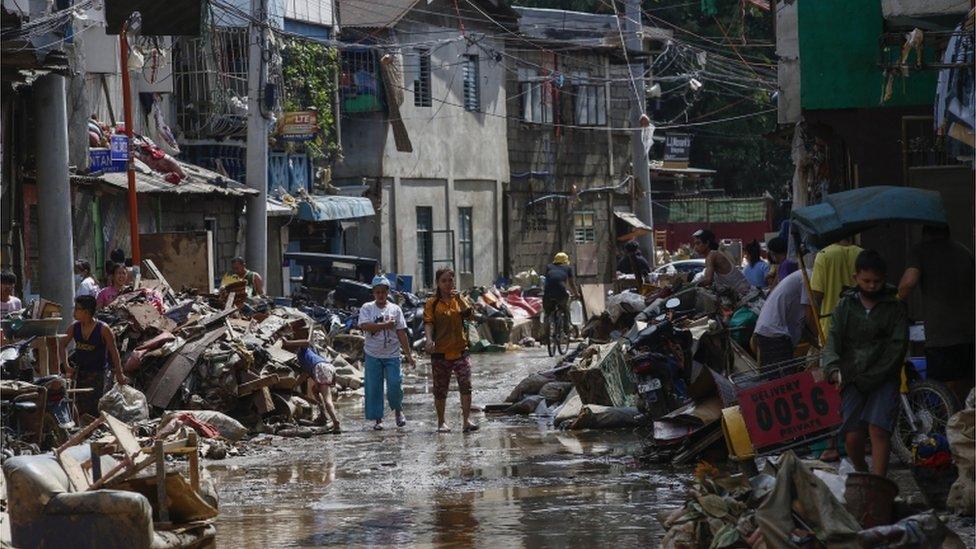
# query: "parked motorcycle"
{"points": [[39, 409], [661, 362]]}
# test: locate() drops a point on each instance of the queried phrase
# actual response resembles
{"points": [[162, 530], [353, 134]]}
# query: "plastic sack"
{"points": [[526, 406], [125, 402], [626, 302], [594, 416], [229, 428], [528, 386]]}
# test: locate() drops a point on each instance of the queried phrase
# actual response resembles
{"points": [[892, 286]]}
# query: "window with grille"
{"points": [[583, 227], [359, 83], [537, 217], [421, 86], [465, 239], [472, 92], [536, 101], [425, 245], [590, 105]]}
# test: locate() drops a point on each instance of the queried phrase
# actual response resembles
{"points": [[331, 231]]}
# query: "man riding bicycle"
{"points": [[560, 284]]}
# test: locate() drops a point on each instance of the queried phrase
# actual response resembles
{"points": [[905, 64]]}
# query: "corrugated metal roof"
{"points": [[198, 181], [370, 14]]}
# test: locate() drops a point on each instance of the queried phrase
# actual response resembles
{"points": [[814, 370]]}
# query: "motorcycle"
{"points": [[38, 405], [660, 364]]}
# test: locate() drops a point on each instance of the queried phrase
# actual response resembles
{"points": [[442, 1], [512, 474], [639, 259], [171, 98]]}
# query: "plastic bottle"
{"points": [[576, 312]]}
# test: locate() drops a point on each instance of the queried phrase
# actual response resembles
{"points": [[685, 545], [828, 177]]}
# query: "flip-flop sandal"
{"points": [[401, 422], [444, 429], [378, 427], [471, 428]]}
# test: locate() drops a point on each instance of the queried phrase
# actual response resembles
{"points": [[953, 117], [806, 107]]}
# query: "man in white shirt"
{"points": [[782, 319], [386, 334], [8, 302]]}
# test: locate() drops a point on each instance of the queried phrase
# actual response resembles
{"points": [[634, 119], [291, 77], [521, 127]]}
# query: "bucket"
{"points": [[870, 498]]}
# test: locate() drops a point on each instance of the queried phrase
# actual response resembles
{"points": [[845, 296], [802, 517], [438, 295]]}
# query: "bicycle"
{"points": [[558, 332], [925, 407]]}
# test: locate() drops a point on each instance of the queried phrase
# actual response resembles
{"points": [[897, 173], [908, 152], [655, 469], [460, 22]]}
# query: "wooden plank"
{"points": [[75, 472], [177, 367], [122, 432], [262, 401], [183, 256], [158, 275], [249, 387], [184, 504], [162, 505]]}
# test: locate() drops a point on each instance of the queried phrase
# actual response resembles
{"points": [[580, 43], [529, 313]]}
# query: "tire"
{"points": [[933, 405], [562, 335]]}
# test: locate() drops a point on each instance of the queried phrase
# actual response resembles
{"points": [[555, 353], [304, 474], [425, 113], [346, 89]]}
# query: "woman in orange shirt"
{"points": [[447, 343]]}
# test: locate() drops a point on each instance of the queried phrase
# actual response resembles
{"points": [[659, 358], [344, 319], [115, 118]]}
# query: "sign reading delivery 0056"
{"points": [[789, 408], [299, 126]]}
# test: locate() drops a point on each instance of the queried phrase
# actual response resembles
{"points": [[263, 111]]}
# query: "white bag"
{"points": [[125, 402]]}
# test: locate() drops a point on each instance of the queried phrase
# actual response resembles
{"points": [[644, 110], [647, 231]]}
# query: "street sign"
{"points": [[299, 126], [119, 147], [789, 408]]}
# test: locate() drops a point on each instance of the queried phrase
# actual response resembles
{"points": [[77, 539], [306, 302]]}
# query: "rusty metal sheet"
{"points": [[177, 367]]}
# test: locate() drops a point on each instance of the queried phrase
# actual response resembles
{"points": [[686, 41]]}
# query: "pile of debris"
{"points": [[797, 503], [226, 353]]}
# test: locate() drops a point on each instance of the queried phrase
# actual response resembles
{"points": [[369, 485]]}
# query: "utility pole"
{"points": [[55, 244], [131, 27], [257, 141], [635, 42]]}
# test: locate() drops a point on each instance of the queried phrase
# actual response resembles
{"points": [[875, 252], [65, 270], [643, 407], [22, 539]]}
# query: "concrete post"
{"points": [[55, 243], [642, 173], [256, 247]]}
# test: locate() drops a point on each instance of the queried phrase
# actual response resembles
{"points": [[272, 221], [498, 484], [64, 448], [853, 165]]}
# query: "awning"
{"points": [[847, 213], [278, 208], [635, 227], [333, 208]]}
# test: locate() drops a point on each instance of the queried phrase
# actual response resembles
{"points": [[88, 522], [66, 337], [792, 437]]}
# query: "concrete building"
{"points": [[435, 157], [572, 185]]}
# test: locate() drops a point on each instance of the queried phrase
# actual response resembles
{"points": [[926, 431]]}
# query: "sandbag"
{"points": [[961, 432], [555, 391], [528, 386], [526, 406], [594, 416], [569, 410], [229, 428], [125, 402]]}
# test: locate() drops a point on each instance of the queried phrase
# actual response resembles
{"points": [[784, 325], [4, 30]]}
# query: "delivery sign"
{"points": [[789, 408]]}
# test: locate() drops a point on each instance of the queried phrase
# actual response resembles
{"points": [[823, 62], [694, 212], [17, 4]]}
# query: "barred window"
{"points": [[583, 227], [536, 100], [421, 86], [472, 77]]}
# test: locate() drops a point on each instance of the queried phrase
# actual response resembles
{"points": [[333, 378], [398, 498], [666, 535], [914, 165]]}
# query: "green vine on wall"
{"points": [[309, 71]]}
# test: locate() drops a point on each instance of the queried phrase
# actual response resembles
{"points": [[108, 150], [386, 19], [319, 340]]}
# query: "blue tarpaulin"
{"points": [[333, 208], [845, 214]]}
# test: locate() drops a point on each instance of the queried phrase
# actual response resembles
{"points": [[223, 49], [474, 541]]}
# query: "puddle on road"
{"points": [[513, 483]]}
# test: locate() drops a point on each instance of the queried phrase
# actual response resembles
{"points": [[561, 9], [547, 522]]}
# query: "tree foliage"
{"points": [[309, 72]]}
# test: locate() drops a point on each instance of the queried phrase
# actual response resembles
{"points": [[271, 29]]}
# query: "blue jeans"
{"points": [[378, 369]]}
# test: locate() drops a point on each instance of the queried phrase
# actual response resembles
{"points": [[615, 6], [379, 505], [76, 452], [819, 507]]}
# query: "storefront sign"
{"points": [[299, 126], [789, 408], [677, 148]]}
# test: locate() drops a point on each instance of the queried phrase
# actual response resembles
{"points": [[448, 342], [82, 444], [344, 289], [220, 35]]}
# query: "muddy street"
{"points": [[515, 482]]}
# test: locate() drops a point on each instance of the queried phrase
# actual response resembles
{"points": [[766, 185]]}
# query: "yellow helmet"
{"points": [[561, 259]]}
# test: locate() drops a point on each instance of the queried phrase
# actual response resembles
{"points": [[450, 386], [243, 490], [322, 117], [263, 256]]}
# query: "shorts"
{"points": [[87, 402], [323, 373], [550, 304], [878, 408], [442, 369], [952, 363], [773, 350]]}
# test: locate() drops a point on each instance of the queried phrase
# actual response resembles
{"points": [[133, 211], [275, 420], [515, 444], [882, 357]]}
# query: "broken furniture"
{"points": [[46, 510]]}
